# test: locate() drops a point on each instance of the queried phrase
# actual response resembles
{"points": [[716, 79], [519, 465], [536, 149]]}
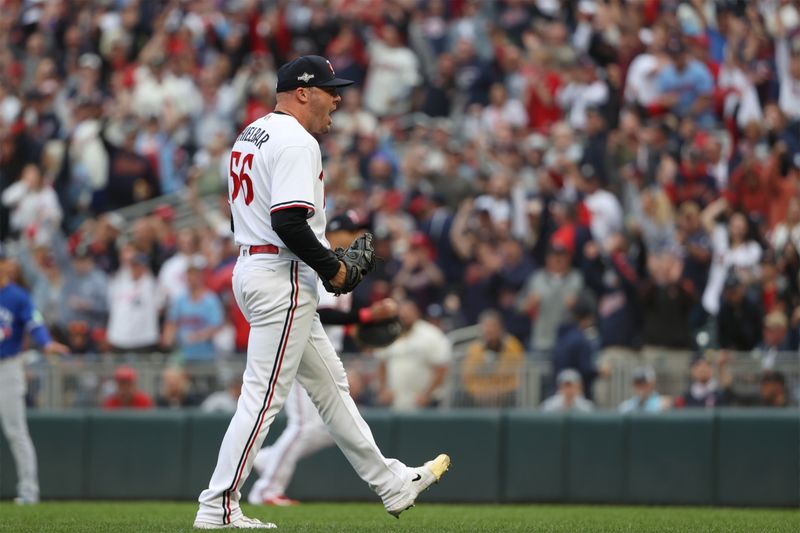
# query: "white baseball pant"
{"points": [[15, 426], [278, 296], [304, 435]]}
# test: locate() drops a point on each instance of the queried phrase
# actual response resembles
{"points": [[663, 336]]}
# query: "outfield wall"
{"points": [[723, 457]]}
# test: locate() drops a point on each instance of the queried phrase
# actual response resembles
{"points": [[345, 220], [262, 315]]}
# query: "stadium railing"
{"points": [[83, 381]]}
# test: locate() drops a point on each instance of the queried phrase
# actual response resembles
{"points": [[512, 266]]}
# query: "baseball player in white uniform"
{"points": [[277, 198], [305, 431]]}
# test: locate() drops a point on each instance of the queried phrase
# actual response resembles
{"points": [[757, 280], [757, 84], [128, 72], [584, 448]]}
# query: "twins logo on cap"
{"points": [[308, 71]]}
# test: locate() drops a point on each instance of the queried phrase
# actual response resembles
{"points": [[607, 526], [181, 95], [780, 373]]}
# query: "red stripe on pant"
{"points": [[300, 430], [276, 370]]}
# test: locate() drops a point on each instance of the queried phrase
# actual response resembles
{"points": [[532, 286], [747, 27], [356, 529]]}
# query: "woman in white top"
{"points": [[732, 250]]}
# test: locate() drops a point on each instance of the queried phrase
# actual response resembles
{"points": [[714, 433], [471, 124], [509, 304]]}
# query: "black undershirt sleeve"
{"points": [[293, 229], [337, 317]]}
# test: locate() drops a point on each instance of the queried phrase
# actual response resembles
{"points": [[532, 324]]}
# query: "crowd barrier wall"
{"points": [[724, 457]]}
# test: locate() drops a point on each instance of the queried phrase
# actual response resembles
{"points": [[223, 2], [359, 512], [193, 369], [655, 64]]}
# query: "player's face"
{"points": [[324, 101]]}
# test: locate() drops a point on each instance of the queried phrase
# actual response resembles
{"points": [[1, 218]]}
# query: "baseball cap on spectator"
{"points": [[594, 109], [90, 60], [675, 46], [93, 99], [165, 212], [773, 376], [393, 200], [586, 61], [434, 311], [157, 60], [125, 373], [483, 203], [419, 239], [583, 307], [347, 221], [789, 17], [308, 71], [536, 141], [700, 357], [78, 327], [732, 281], [701, 40], [442, 124], [129, 126], [587, 7], [82, 251], [568, 375], [418, 204], [644, 374], [196, 262], [34, 94], [140, 259], [115, 220], [558, 247]]}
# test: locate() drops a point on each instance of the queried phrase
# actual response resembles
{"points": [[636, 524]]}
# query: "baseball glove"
{"points": [[358, 259], [378, 334]]}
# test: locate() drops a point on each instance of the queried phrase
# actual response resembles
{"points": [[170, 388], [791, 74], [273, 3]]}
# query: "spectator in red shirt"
{"points": [[543, 84], [128, 395], [750, 189]]}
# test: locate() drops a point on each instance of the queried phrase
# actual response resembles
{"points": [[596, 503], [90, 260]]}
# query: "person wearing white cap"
{"points": [[569, 396]]}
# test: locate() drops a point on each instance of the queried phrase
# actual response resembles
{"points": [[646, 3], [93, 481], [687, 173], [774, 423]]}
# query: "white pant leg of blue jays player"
{"points": [[18, 316], [277, 198], [305, 432]]}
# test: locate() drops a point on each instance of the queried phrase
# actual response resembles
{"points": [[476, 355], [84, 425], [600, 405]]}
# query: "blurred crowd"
{"points": [[607, 182]]}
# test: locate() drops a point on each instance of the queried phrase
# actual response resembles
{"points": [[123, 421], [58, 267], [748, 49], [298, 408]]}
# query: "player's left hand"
{"points": [[358, 261], [56, 348]]}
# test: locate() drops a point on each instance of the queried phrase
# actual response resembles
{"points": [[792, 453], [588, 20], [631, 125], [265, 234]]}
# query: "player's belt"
{"points": [[259, 249]]}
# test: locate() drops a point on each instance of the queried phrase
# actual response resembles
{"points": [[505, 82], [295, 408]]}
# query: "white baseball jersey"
{"points": [[274, 164]]}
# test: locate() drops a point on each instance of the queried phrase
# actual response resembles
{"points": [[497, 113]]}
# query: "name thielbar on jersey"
{"points": [[253, 135]]}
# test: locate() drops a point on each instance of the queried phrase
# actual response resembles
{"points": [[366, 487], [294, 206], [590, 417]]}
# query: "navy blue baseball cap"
{"points": [[308, 71]]}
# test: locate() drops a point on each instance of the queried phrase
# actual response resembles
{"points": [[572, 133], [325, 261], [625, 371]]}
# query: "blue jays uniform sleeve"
{"points": [[17, 315], [33, 322]]}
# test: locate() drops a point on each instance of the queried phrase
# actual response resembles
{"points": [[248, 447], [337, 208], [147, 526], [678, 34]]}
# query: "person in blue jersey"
{"points": [[18, 316]]}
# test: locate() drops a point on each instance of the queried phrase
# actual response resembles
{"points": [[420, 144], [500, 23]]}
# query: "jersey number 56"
{"points": [[241, 180]]}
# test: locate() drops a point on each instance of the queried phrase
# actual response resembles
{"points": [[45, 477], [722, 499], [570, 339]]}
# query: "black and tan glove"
{"points": [[358, 259]]}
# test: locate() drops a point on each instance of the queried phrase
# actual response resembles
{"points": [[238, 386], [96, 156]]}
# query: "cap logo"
{"points": [[305, 77], [330, 67]]}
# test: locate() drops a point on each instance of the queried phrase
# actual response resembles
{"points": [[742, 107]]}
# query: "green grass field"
{"points": [[156, 517]]}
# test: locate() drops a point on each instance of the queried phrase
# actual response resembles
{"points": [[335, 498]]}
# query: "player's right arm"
{"points": [[292, 199], [291, 226]]}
